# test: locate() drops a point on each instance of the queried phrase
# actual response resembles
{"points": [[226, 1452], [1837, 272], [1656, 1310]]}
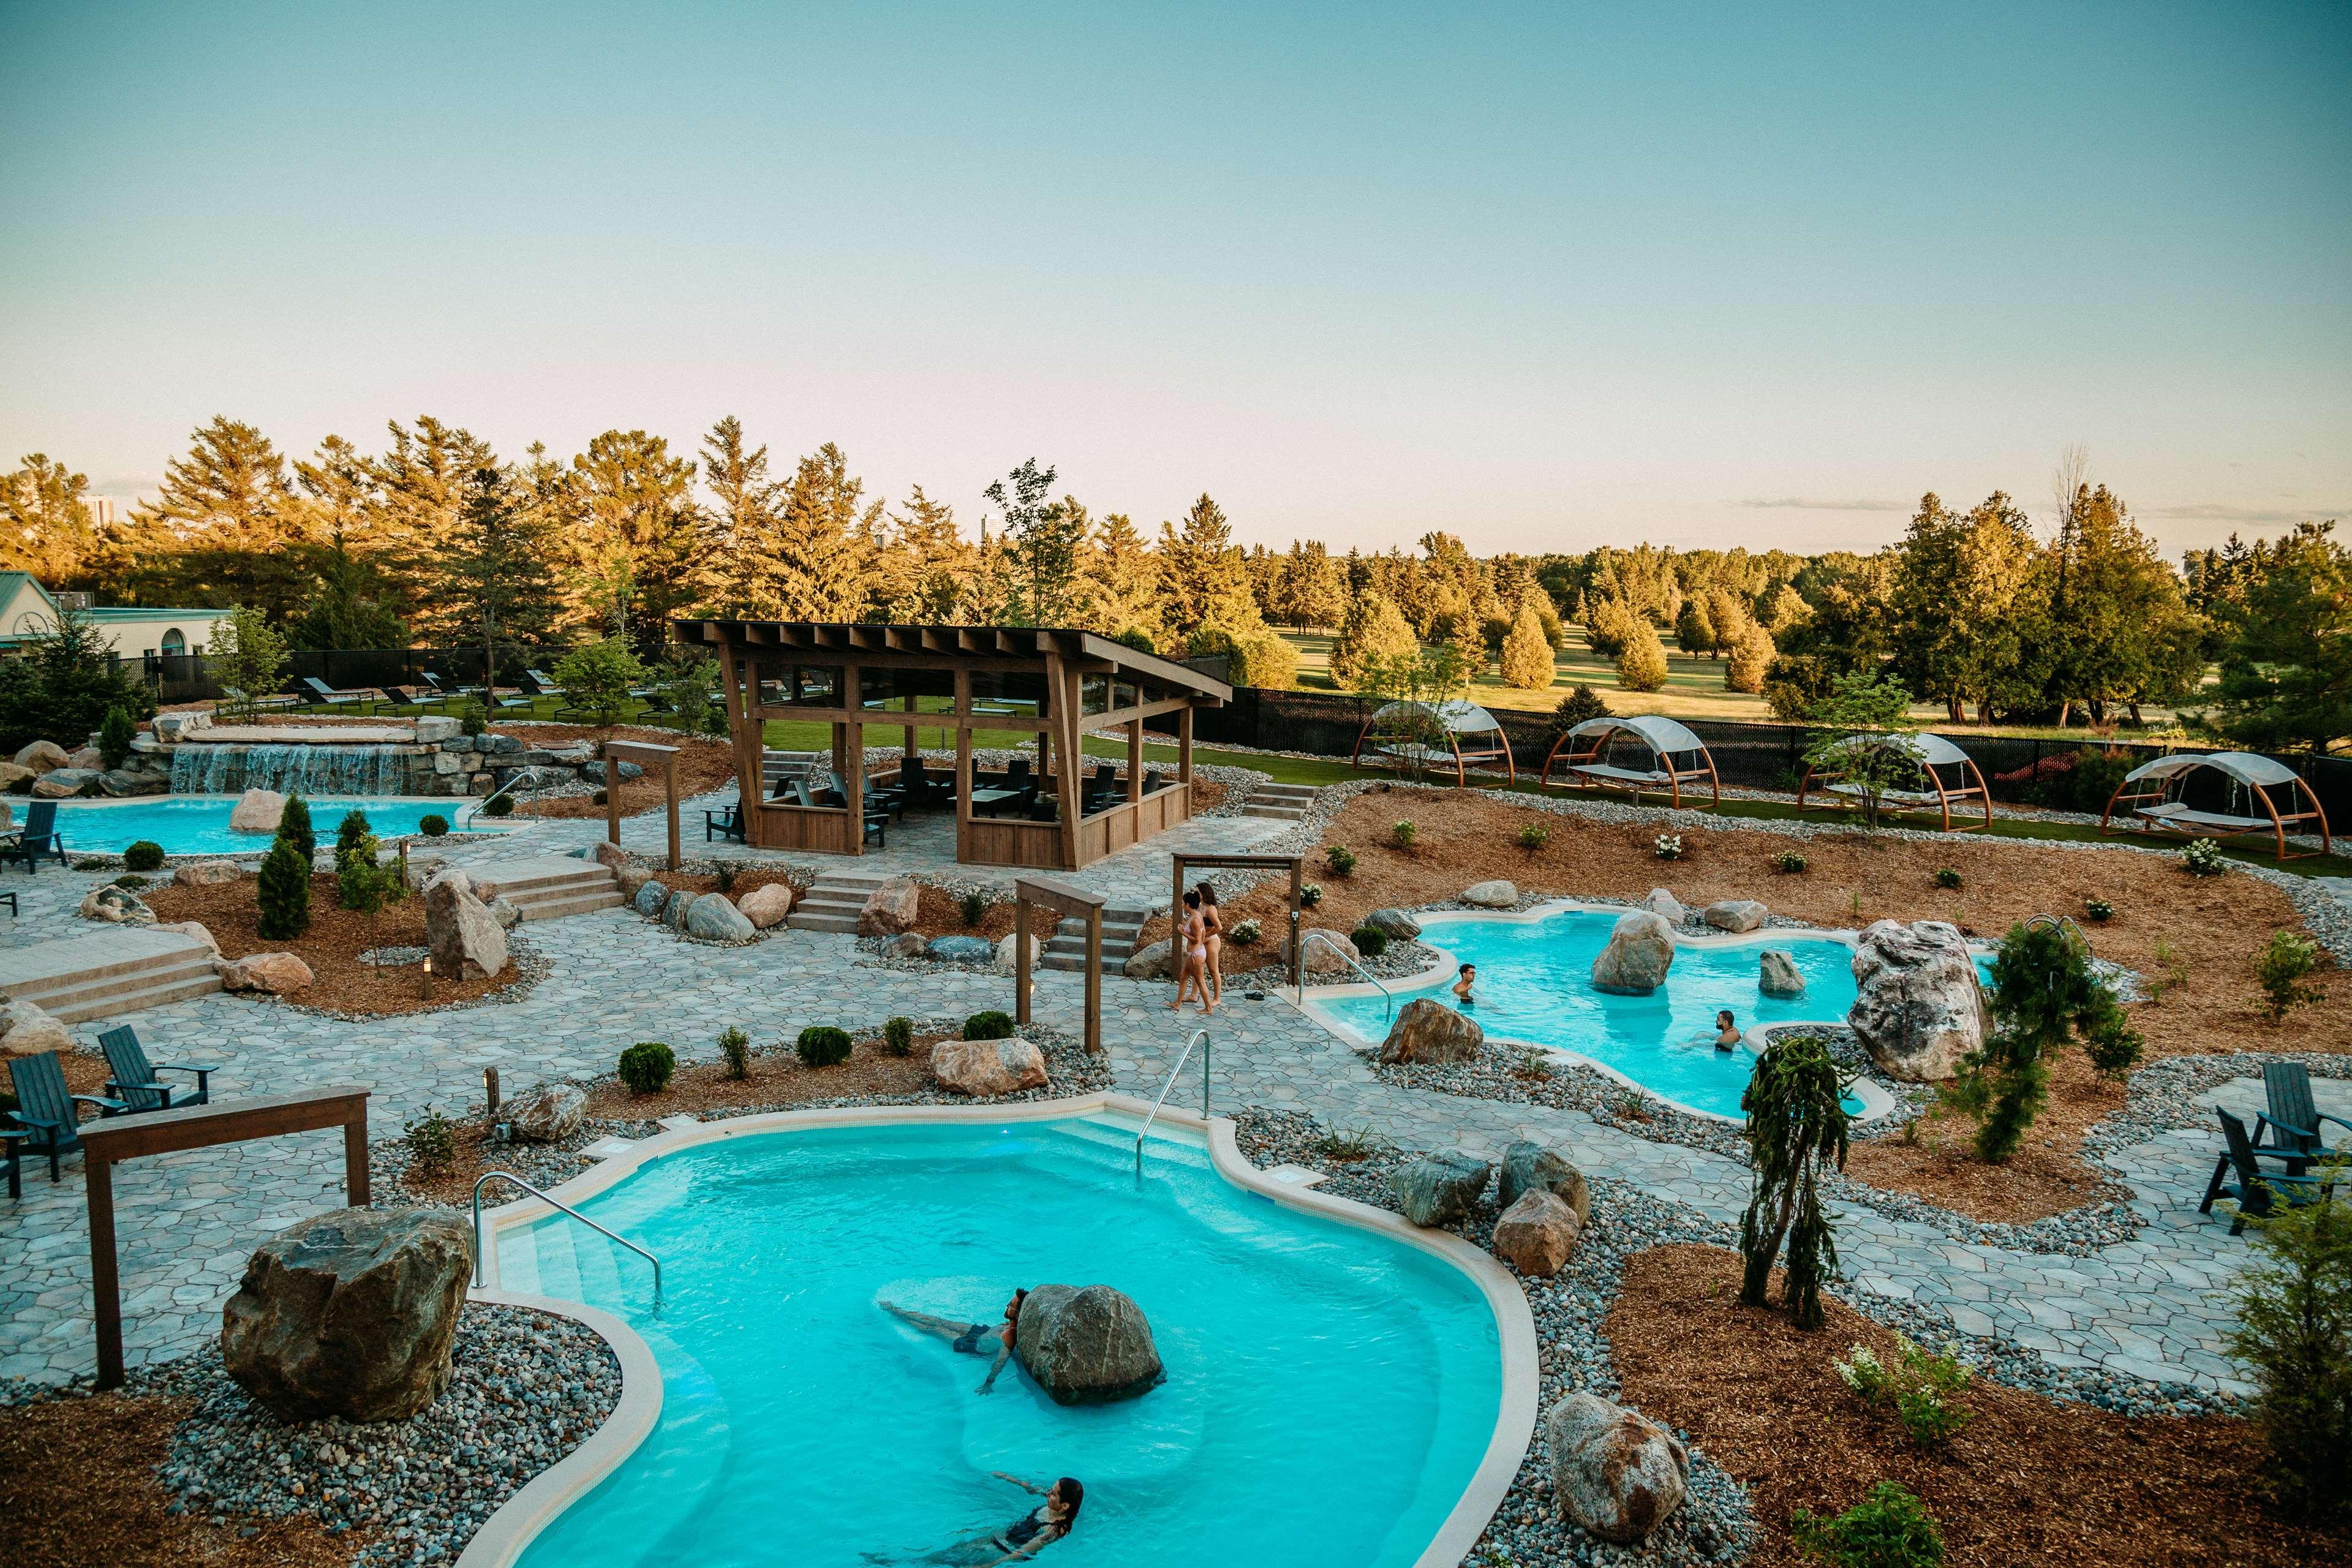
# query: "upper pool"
{"points": [[198, 824], [1331, 1390], [1534, 984]]}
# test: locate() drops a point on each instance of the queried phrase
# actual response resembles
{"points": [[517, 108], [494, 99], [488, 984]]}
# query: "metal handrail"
{"points": [[1201, 1038], [1318, 931], [522, 775], [509, 1176]]}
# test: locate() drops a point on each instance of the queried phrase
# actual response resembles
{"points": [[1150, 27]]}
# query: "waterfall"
{"points": [[289, 769]]}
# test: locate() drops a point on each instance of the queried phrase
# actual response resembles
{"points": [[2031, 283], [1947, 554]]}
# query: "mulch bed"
{"points": [[231, 911], [79, 1490], [2028, 1479], [702, 765]]}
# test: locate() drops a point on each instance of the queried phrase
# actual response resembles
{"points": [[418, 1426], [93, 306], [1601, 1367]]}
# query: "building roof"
{"points": [[142, 613], [947, 645]]}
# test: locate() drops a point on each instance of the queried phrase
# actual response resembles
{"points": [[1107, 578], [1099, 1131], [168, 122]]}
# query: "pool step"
{"points": [[832, 903], [110, 972], [550, 887], [1282, 801], [1067, 949]]}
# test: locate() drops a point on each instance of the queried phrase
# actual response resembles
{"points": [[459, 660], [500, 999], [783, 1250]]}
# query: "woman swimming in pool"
{"points": [[1024, 1538], [972, 1339]]}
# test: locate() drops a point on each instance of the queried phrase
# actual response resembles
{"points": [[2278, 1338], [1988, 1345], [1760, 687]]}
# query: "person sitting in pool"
{"points": [[1467, 978], [972, 1339], [1024, 1538], [1726, 1033]]}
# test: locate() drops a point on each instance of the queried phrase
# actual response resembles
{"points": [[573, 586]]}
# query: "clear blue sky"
{"points": [[1545, 276]]}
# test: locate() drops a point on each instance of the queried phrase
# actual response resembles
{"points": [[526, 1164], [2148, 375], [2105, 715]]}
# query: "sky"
{"points": [[1543, 276]]}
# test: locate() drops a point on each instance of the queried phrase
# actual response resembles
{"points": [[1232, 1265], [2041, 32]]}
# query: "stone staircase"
{"points": [[1067, 949], [833, 902], [117, 970], [1282, 801], [550, 886]]}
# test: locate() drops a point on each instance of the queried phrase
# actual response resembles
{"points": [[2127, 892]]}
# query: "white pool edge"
{"points": [[1876, 1101], [504, 1535]]}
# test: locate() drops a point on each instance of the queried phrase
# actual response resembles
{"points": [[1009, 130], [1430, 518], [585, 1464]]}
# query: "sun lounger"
{"points": [[325, 696]]}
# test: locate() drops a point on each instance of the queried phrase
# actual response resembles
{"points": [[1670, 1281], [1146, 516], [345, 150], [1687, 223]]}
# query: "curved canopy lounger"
{"points": [[1673, 756], [2153, 796], [1947, 774], [1427, 732]]}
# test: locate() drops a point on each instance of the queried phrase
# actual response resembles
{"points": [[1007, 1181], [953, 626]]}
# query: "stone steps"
{"points": [[110, 972], [551, 887], [1280, 802], [832, 902], [1067, 949]]}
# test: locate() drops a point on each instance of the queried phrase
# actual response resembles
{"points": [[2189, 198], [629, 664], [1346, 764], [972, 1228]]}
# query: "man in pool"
{"points": [[1726, 1032], [1461, 983], [972, 1339]]}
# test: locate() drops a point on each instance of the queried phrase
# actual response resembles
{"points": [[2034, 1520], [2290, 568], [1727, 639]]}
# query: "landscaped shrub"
{"points": [[972, 906], [2086, 782], [597, 678], [2098, 910], [503, 805], [598, 797], [1790, 861], [2044, 991], [133, 882], [431, 1142], [432, 824], [1642, 663], [1795, 1103], [1668, 846], [898, 1036], [353, 827], [473, 718], [1917, 1387], [2279, 971], [1533, 836], [823, 1046], [1310, 895], [1369, 940], [294, 825], [646, 1066], [1947, 877], [92, 865], [283, 892], [989, 1026], [115, 735], [358, 877], [1888, 1529], [2114, 1048], [2203, 857], [1575, 708], [142, 855], [1246, 933], [1340, 860], [2294, 1335], [1403, 833], [735, 1045]]}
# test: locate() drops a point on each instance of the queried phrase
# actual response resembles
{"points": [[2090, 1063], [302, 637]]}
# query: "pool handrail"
{"points": [[509, 1176], [522, 775], [1318, 931], [1201, 1038]]}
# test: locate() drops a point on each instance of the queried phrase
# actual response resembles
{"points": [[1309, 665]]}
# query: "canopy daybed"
{"points": [[1945, 774], [2154, 797], [1421, 733], [1673, 754]]}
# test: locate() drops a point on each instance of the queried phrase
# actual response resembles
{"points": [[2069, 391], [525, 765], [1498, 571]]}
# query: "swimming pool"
{"points": [[198, 824], [1535, 984], [1331, 1391]]}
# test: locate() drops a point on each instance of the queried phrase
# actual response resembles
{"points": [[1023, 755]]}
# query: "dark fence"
{"points": [[184, 677]]}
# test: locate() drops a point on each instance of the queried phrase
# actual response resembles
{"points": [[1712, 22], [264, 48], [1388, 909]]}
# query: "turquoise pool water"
{"points": [[1329, 1392], [198, 824], [1534, 984]]}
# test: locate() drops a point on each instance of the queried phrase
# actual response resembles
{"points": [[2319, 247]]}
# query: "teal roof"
{"points": [[135, 612], [11, 581]]}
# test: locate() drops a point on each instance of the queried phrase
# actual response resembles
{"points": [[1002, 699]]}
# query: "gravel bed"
{"points": [[528, 1388], [531, 967]]}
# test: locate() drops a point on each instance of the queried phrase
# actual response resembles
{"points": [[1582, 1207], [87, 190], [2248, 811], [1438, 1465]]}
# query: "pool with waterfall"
{"points": [[198, 824], [307, 768]]}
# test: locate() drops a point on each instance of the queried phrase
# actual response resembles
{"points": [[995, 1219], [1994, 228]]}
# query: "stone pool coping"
{"points": [[1876, 1101], [505, 1535]]}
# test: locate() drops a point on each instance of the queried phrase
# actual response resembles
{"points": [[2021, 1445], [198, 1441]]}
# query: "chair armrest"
{"points": [[182, 1066], [162, 1088], [100, 1102], [30, 1122], [2337, 1120], [2263, 1119]]}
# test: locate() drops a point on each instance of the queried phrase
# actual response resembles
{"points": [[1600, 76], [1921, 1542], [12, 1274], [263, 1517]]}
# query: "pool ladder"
{"points": [[1318, 935], [510, 1178], [1201, 1038]]}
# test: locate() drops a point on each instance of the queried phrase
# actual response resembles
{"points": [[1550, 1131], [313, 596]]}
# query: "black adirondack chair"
{"points": [[2293, 1119], [40, 840], [725, 821], [134, 1080], [2255, 1188], [45, 1113]]}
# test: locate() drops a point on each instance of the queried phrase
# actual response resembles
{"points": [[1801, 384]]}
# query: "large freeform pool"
{"points": [[1331, 1390], [198, 824]]}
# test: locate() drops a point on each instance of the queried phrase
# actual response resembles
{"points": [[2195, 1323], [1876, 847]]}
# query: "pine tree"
{"points": [[1527, 657], [1374, 634], [1751, 657], [495, 573], [919, 572], [283, 892], [640, 544], [1641, 663], [1202, 579], [814, 566], [1122, 584], [1796, 1129], [744, 511], [415, 500], [225, 527], [1693, 629], [46, 527]]}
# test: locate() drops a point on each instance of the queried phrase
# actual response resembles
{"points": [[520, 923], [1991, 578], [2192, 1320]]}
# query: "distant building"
{"points": [[132, 631]]}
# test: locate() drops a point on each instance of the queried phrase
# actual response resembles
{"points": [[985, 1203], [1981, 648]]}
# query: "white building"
{"points": [[131, 631]]}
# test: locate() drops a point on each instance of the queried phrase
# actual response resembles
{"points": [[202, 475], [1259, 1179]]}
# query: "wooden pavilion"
{"points": [[1056, 684]]}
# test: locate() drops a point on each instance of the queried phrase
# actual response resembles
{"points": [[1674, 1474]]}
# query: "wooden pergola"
{"points": [[1054, 683]]}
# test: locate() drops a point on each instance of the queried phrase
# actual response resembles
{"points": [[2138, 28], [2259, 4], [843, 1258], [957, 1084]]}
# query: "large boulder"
{"points": [[674, 908], [62, 784], [26, 1030], [11, 774], [1641, 950], [464, 939], [1395, 924], [548, 1114], [115, 905], [960, 949], [1735, 915], [42, 756], [1321, 957], [1496, 895], [1777, 973], [767, 904], [1008, 954], [631, 880], [1427, 1030], [257, 811], [1155, 960], [208, 873], [1530, 1167], [649, 899], [605, 852], [130, 781], [506, 911], [714, 919], [1087, 1346], [196, 929], [985, 1068], [351, 1314], [1537, 1234], [1439, 1187], [273, 974], [890, 907], [89, 757], [1665, 905], [1615, 1471], [1916, 1008], [912, 944]]}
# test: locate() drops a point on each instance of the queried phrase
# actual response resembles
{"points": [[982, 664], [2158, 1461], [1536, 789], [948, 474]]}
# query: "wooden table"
{"points": [[991, 797]]}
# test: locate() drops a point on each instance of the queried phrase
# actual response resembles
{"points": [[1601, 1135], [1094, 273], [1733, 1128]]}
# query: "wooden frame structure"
{"points": [[1056, 684], [1457, 716], [2257, 775], [1066, 900], [1930, 753], [1294, 863], [648, 755], [1588, 766], [107, 1143]]}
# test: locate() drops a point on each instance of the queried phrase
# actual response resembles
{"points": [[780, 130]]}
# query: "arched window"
{"points": [[174, 643]]}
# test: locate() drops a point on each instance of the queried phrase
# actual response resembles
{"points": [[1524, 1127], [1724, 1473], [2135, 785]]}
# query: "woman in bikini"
{"points": [[972, 1339], [1024, 1538], [1213, 929], [1192, 952]]}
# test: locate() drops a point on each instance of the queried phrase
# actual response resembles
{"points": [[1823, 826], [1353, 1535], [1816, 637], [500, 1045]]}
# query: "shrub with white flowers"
{"points": [[2202, 857], [1670, 846]]}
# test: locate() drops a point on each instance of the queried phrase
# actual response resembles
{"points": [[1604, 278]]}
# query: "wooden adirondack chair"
{"points": [[2255, 1188], [45, 1113], [40, 840], [2294, 1118], [135, 1078]]}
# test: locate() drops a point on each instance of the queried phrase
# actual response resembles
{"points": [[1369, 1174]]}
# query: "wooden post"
{"points": [[1297, 959], [1135, 763], [1074, 768], [490, 1091], [1176, 913], [1184, 748], [913, 750], [669, 780], [1094, 981], [849, 756], [98, 1176], [963, 766], [1020, 959], [611, 796], [746, 731]]}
